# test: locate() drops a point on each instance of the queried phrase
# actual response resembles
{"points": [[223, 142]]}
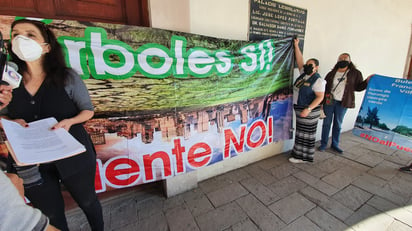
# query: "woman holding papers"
{"points": [[50, 89]]}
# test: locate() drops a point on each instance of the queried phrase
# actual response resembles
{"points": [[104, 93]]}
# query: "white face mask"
{"points": [[26, 48]]}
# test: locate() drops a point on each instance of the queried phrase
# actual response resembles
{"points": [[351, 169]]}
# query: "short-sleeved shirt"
{"points": [[77, 91]]}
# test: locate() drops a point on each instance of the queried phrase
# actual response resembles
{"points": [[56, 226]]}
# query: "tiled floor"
{"points": [[359, 190]]}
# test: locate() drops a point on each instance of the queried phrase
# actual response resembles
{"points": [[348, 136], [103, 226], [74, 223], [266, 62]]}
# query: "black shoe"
{"points": [[406, 169], [321, 149], [337, 149]]}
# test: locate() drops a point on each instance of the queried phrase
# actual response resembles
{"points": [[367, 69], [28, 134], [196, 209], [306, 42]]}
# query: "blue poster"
{"points": [[385, 116]]}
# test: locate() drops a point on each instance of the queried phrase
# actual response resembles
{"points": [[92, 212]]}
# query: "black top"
{"points": [[52, 101]]}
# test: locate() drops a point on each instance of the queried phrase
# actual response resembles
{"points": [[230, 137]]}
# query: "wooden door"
{"points": [[129, 12]]}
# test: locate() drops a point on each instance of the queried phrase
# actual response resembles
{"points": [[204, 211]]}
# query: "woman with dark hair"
{"points": [[341, 83], [308, 92], [50, 89]]}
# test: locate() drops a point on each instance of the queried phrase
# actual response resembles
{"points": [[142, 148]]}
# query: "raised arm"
{"points": [[298, 54]]}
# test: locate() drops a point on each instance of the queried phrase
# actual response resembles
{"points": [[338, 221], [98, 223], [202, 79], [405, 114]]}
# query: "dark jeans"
{"points": [[336, 113], [48, 197]]}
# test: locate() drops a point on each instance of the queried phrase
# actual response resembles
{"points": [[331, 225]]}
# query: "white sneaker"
{"points": [[296, 161]]}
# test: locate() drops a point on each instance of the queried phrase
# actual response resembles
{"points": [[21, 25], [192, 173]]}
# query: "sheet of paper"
{"points": [[38, 143]]}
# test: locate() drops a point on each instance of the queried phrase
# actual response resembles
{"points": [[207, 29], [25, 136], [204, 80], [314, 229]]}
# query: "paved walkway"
{"points": [[359, 190]]}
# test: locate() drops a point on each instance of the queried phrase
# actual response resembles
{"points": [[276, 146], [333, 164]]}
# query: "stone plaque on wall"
{"points": [[270, 19]]}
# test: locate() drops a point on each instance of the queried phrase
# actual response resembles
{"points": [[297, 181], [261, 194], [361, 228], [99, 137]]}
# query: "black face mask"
{"points": [[343, 64], [307, 69]]}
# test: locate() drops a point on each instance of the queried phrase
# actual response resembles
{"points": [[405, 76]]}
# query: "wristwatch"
{"points": [[309, 108]]}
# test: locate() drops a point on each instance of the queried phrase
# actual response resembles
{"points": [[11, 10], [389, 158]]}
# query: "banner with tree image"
{"points": [[168, 102], [385, 116]]}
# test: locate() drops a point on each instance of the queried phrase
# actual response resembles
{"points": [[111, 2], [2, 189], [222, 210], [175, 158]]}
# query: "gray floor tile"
{"points": [[197, 202], [313, 169], [399, 157], [291, 207], [173, 202], [302, 223], [181, 219], [325, 220], [246, 225], [271, 162], [236, 175], [330, 165], [214, 184], [342, 177], [385, 170], [261, 175], [155, 222], [306, 177], [284, 170], [325, 187], [221, 218], [128, 211], [226, 194], [370, 159], [287, 186], [327, 203], [381, 204], [149, 207], [355, 152], [401, 185], [260, 191], [352, 197], [260, 214], [364, 212], [379, 222]]}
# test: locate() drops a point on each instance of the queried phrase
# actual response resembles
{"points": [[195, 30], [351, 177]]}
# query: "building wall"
{"points": [[376, 33]]}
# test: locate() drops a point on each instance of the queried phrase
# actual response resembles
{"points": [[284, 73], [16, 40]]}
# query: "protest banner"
{"points": [[385, 116], [168, 102]]}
